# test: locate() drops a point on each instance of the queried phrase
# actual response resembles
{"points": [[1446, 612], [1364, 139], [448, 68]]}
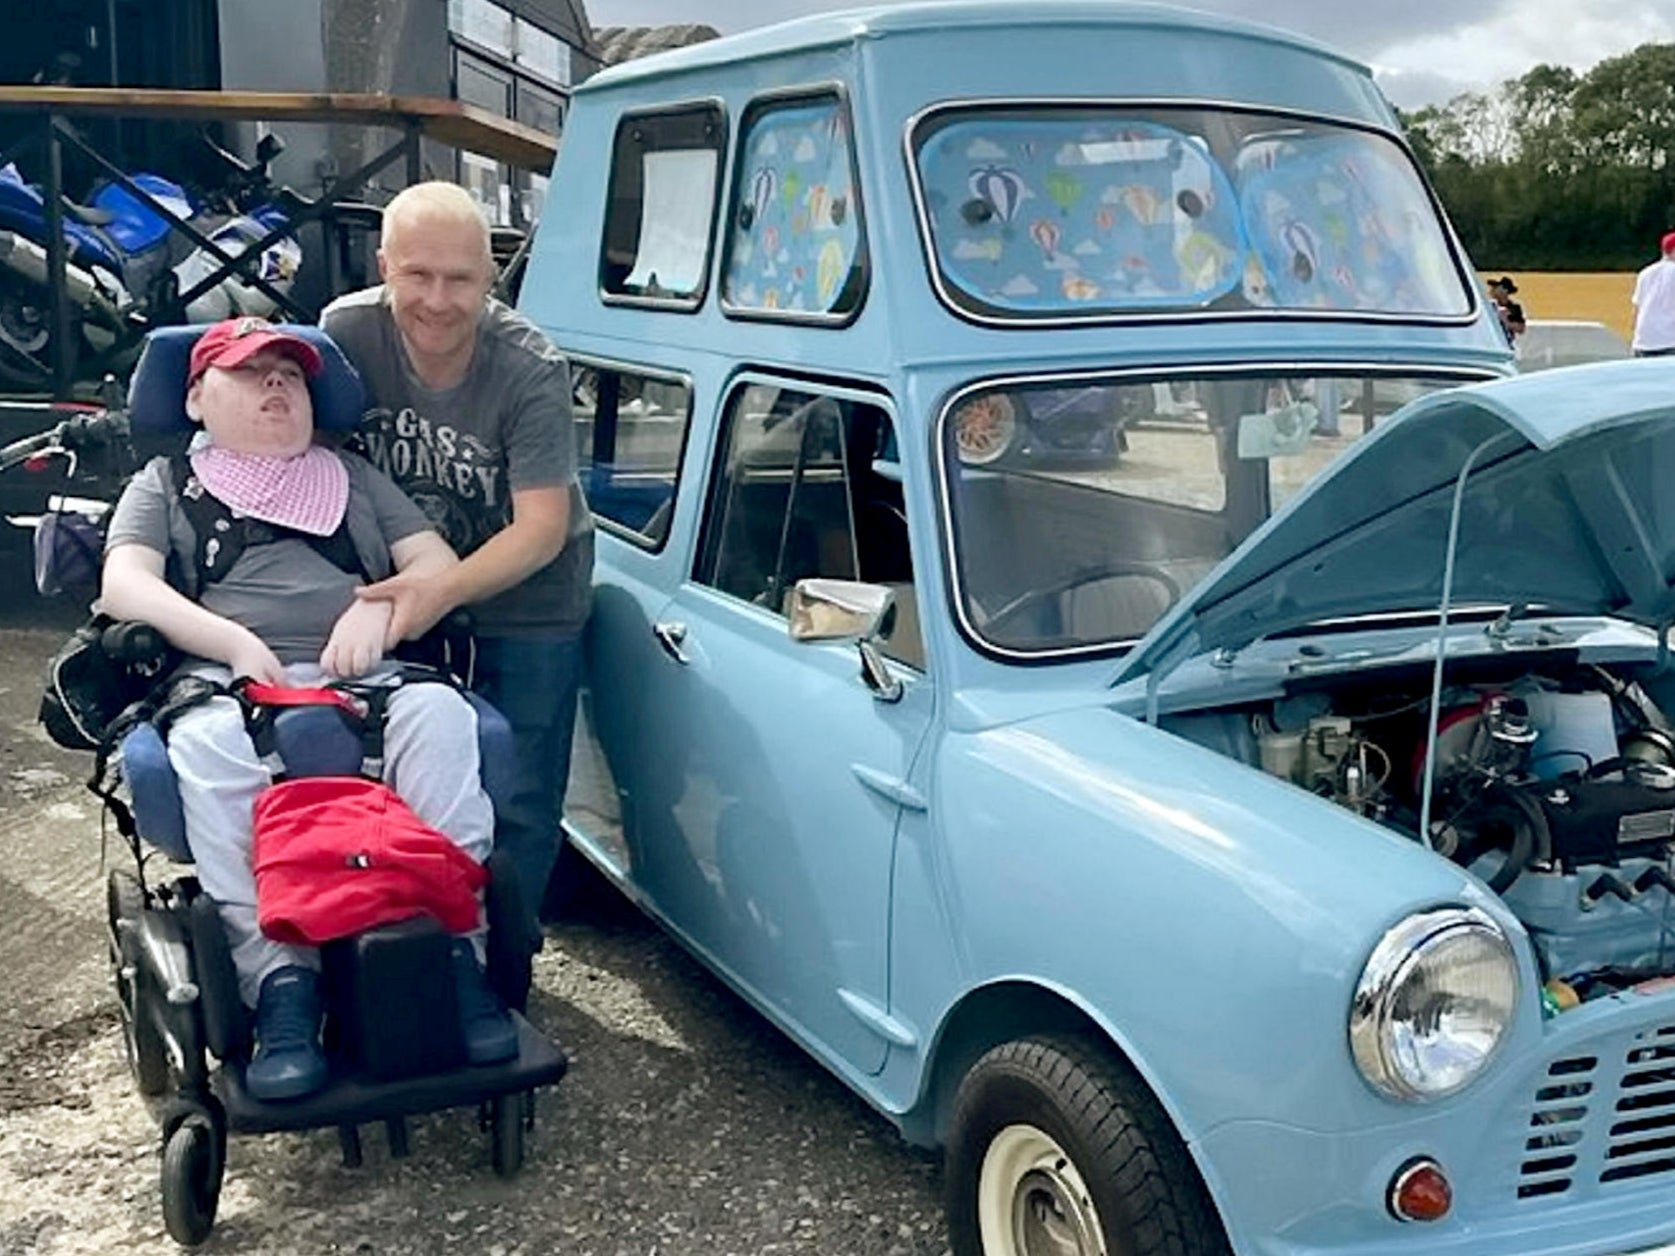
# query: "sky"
{"points": [[1423, 51]]}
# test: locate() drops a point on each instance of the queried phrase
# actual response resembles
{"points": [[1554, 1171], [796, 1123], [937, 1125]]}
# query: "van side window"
{"points": [[665, 178], [796, 245], [630, 433], [808, 485]]}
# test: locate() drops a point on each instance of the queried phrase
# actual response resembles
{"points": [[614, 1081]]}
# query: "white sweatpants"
{"points": [[430, 759]]}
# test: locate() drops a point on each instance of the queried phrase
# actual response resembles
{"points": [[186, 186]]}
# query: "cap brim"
{"points": [[241, 350]]}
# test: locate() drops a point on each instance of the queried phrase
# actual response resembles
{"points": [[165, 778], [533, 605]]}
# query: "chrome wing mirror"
{"points": [[847, 610]]}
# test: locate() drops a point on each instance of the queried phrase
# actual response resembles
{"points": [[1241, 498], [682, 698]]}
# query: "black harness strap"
{"points": [[219, 536]]}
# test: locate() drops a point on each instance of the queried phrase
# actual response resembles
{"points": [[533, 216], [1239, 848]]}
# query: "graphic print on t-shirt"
{"points": [[456, 478]]}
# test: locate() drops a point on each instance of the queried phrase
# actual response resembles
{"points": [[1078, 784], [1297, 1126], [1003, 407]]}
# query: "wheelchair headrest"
{"points": [[157, 392]]}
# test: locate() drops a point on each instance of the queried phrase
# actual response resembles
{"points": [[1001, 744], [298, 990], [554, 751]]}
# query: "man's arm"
{"points": [[424, 591], [133, 587]]}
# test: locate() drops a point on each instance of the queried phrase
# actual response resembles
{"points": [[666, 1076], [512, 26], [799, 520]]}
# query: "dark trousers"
{"points": [[533, 681]]}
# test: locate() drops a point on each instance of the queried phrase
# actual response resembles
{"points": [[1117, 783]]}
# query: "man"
{"points": [[1511, 313], [469, 411], [1654, 304]]}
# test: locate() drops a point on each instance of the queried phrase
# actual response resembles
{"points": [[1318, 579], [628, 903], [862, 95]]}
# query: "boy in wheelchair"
{"points": [[264, 590]]}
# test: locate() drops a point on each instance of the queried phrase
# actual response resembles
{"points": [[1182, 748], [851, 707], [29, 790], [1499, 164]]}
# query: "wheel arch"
{"points": [[1000, 1012]]}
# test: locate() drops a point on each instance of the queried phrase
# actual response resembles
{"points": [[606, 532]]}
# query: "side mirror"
{"points": [[847, 610], [838, 610]]}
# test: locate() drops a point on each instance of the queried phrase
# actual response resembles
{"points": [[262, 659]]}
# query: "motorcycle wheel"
{"points": [[25, 335]]}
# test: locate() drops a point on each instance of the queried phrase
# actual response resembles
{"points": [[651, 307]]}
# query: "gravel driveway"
{"points": [[687, 1125]]}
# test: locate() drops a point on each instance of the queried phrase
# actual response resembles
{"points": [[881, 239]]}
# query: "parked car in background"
{"points": [[1256, 842], [1550, 342]]}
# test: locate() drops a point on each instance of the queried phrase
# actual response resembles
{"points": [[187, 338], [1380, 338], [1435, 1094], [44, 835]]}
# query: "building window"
{"points": [[661, 216], [542, 53], [511, 68], [483, 23]]}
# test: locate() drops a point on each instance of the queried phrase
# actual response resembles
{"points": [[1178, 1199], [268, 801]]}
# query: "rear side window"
{"points": [[796, 244], [630, 433], [665, 177]]}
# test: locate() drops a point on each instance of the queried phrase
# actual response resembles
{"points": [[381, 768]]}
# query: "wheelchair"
{"points": [[392, 1035]]}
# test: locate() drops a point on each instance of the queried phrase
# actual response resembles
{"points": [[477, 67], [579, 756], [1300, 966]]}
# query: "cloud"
{"points": [[1019, 286], [1426, 51], [984, 150]]}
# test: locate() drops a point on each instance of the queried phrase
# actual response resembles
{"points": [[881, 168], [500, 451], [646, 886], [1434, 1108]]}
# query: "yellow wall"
{"points": [[1599, 295]]}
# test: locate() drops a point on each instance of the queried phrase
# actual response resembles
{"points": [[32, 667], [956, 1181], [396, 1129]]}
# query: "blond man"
{"points": [[469, 412]]}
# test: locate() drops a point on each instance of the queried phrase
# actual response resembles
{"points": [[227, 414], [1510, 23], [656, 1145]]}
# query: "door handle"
{"points": [[671, 635]]}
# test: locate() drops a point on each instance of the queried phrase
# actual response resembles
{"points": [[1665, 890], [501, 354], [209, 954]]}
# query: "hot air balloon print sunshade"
{"points": [[1056, 214]]}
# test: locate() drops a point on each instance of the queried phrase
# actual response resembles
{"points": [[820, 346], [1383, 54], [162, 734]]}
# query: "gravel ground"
{"points": [[686, 1125]]}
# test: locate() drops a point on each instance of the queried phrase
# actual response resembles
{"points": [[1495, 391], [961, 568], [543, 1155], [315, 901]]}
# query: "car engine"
{"points": [[1558, 790]]}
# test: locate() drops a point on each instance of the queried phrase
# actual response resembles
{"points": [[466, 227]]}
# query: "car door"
{"points": [[775, 837]]}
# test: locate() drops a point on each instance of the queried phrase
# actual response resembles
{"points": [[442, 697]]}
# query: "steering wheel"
{"points": [[1029, 599]]}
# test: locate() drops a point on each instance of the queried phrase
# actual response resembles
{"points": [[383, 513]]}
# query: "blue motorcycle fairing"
{"points": [[23, 210], [137, 227]]}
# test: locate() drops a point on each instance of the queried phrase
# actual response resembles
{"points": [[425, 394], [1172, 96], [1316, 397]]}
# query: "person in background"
{"points": [[1654, 304], [469, 411], [284, 612], [1510, 312]]}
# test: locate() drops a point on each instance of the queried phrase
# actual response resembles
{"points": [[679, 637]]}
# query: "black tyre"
{"points": [[506, 1122], [147, 1058], [194, 1155], [26, 334], [1057, 1147]]}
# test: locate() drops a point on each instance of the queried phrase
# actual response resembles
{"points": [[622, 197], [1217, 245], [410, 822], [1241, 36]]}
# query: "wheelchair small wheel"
{"points": [[143, 1046], [194, 1155], [506, 1124]]}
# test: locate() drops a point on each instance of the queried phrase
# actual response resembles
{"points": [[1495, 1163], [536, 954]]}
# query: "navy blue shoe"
{"points": [[490, 1034], [288, 1062]]}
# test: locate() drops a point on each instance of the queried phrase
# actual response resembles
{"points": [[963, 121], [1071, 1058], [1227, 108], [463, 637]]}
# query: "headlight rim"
{"points": [[1382, 977]]}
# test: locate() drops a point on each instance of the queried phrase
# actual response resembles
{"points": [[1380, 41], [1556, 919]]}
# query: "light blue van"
{"points": [[1070, 652]]}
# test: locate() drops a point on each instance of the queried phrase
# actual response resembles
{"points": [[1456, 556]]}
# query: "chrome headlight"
{"points": [[1433, 1004]]}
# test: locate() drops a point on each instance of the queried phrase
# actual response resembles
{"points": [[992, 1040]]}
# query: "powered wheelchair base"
{"points": [[391, 1042]]}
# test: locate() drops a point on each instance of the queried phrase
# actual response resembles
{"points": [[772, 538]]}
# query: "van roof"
{"points": [[873, 22]]}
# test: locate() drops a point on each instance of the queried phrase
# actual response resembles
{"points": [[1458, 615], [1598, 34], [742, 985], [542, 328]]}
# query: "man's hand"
{"points": [[358, 640], [250, 657], [416, 601]]}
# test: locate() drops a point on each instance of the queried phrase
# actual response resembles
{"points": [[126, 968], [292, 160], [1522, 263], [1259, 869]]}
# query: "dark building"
{"points": [[518, 59]]}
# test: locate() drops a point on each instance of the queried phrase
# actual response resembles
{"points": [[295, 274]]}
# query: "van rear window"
{"points": [[1068, 214], [665, 179]]}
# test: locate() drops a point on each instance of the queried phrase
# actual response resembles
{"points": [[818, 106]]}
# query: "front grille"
{"points": [[1602, 1118]]}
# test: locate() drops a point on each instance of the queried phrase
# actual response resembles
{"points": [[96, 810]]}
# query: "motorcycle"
{"points": [[126, 268]]}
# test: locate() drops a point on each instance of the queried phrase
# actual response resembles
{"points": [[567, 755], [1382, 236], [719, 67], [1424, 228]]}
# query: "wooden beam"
{"points": [[452, 122]]}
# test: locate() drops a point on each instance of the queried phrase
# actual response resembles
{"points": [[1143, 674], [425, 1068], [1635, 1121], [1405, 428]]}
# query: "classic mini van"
{"points": [[1088, 643]]}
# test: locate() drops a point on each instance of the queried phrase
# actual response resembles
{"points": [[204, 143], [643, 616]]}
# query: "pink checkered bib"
{"points": [[307, 491]]}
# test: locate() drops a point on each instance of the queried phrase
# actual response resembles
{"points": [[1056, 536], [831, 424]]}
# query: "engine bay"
{"points": [[1555, 784]]}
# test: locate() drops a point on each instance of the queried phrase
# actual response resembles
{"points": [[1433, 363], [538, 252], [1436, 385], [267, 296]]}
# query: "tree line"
{"points": [[1557, 170]]}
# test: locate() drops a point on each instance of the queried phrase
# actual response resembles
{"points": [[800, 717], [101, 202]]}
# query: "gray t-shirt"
{"points": [[461, 452], [284, 591]]}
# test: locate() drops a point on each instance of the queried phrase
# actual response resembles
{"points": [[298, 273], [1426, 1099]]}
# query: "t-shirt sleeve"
{"points": [[398, 518], [141, 516], [540, 435]]}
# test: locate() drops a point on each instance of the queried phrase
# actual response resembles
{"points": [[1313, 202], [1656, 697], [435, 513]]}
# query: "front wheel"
{"points": [[194, 1156], [1057, 1149]]}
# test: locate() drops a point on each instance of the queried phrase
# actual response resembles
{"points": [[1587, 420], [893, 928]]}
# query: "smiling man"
{"points": [[469, 411]]}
